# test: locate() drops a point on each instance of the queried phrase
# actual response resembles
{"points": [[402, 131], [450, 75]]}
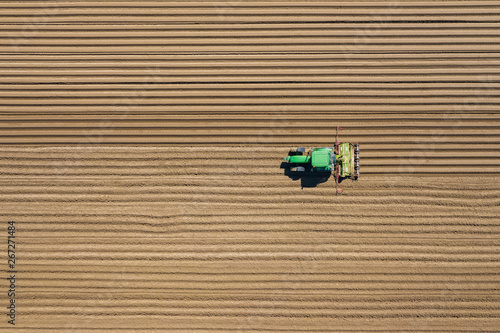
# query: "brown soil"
{"points": [[140, 157]]}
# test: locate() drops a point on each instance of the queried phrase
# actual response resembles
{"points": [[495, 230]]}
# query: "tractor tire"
{"points": [[298, 169], [296, 151]]}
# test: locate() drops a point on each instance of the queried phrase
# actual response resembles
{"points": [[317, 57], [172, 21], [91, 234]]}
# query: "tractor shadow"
{"points": [[307, 178]]}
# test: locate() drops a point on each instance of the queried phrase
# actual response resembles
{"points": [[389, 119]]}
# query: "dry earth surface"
{"points": [[140, 155]]}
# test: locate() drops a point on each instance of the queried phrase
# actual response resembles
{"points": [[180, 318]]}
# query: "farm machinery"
{"points": [[342, 159]]}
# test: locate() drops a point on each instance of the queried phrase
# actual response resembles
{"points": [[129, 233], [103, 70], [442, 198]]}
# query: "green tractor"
{"points": [[342, 159]]}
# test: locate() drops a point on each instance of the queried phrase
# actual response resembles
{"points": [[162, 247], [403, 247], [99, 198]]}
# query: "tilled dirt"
{"points": [[141, 158]]}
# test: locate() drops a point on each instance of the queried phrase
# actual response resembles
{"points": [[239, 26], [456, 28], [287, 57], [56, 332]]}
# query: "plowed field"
{"points": [[140, 157]]}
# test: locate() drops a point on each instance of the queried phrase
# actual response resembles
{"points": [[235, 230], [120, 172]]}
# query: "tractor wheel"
{"points": [[298, 169], [296, 151]]}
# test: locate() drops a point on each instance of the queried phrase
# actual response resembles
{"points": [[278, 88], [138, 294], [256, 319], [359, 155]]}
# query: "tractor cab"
{"points": [[322, 159]]}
